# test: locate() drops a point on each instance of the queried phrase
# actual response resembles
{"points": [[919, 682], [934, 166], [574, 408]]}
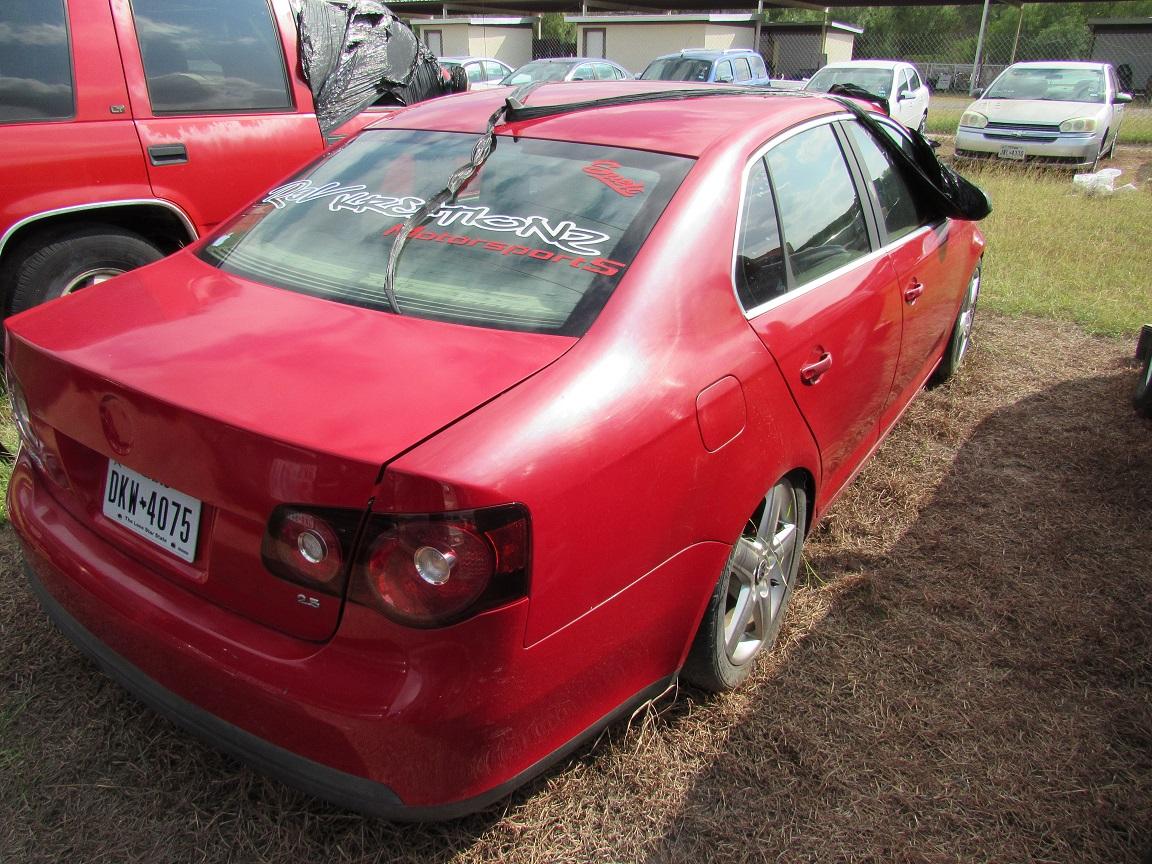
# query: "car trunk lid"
{"points": [[242, 397]]}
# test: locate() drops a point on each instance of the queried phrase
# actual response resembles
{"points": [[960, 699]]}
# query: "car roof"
{"points": [[709, 116], [572, 61], [1058, 64], [707, 53], [864, 64]]}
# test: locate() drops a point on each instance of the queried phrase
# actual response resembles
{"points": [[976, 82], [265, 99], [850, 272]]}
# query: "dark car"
{"points": [[732, 66]]}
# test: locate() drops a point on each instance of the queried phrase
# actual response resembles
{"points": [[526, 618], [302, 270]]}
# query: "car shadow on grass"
{"points": [[979, 691]]}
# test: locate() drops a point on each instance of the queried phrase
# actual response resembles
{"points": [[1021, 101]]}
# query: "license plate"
{"points": [[168, 518], [1010, 152]]}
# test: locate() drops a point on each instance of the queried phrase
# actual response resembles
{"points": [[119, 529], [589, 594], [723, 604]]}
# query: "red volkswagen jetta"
{"points": [[458, 445]]}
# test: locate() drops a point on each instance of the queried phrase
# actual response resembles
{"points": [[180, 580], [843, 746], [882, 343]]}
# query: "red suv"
{"points": [[127, 129]]}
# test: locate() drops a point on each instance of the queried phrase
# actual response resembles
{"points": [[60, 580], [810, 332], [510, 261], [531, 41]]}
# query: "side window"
{"points": [[758, 68], [914, 80], [475, 72], [584, 73], [820, 213], [493, 71], [743, 70], [211, 55], [760, 270], [905, 83], [604, 72], [724, 71], [35, 63], [898, 205]]}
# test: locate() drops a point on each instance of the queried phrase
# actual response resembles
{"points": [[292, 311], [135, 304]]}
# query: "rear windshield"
{"points": [[877, 81], [677, 69], [537, 241]]}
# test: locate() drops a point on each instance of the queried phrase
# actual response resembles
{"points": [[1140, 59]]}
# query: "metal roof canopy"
{"points": [[446, 8]]}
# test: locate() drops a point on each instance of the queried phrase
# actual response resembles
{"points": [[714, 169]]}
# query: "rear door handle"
{"points": [[811, 373], [168, 154], [912, 292]]}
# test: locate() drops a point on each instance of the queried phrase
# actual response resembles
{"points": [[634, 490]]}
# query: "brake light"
{"points": [[437, 569], [422, 570]]}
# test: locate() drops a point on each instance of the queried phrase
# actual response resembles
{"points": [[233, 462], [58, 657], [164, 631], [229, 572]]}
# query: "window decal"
{"points": [[605, 171], [565, 235]]}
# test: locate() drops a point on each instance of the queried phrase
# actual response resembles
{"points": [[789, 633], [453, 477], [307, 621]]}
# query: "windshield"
{"points": [[677, 69], [537, 241], [1049, 85], [878, 81], [538, 72]]}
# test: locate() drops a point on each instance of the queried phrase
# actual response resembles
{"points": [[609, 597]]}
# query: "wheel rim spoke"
{"points": [[741, 616]]}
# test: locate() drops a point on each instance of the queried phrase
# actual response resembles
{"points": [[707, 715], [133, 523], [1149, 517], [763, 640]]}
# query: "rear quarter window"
{"points": [[35, 61], [537, 241]]}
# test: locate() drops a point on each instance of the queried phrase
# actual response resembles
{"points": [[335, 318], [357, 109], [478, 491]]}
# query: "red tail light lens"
{"points": [[437, 569], [426, 570], [310, 547]]}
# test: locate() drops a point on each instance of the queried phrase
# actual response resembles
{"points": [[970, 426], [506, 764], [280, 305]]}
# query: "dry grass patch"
{"points": [[966, 677]]}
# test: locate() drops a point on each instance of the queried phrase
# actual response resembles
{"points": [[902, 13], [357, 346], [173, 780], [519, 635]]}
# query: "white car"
{"points": [[1057, 113], [483, 73], [894, 80]]}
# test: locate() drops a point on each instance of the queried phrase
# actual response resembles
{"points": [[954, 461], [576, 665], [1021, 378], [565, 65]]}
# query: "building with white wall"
{"points": [[507, 39]]}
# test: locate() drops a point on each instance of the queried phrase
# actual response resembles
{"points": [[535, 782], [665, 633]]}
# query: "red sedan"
{"points": [[457, 446]]}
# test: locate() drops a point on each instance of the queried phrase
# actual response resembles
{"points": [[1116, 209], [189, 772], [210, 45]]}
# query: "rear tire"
{"points": [[72, 261], [961, 332], [1142, 397], [751, 597]]}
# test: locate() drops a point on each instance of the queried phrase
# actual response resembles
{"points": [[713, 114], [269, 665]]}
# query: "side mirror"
{"points": [[1122, 98]]}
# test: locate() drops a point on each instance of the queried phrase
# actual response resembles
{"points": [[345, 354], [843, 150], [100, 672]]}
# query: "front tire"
{"points": [[73, 261], [747, 608], [1142, 397], [961, 331]]}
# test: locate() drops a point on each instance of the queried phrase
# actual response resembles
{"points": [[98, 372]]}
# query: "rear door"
{"points": [[218, 113], [818, 295], [930, 274]]}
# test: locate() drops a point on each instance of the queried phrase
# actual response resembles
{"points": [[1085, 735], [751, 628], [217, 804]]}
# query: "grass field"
{"points": [[965, 675], [944, 115]]}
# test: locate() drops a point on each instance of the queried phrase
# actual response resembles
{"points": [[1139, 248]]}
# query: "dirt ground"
{"points": [[966, 676]]}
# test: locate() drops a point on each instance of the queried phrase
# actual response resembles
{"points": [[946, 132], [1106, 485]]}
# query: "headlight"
{"points": [[974, 119], [1080, 124]]}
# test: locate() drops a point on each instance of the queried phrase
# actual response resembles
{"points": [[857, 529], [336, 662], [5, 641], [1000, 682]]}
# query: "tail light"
{"points": [[425, 570], [31, 441]]}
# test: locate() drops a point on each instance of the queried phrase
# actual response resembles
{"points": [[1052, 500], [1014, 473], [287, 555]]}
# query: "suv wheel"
{"points": [[75, 260]]}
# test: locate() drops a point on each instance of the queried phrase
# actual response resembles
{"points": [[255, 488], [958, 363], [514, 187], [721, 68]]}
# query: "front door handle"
{"points": [[168, 154], [912, 292], [811, 373]]}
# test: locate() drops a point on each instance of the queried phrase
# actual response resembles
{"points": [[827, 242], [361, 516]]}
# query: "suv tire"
{"points": [[77, 259]]}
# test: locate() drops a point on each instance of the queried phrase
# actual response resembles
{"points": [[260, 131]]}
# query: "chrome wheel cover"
{"points": [[757, 575], [91, 277]]}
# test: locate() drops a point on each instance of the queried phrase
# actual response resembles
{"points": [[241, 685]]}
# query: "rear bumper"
{"points": [[404, 724]]}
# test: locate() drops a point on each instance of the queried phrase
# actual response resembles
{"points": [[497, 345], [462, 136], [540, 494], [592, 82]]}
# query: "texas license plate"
{"points": [[159, 514], [1010, 152]]}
